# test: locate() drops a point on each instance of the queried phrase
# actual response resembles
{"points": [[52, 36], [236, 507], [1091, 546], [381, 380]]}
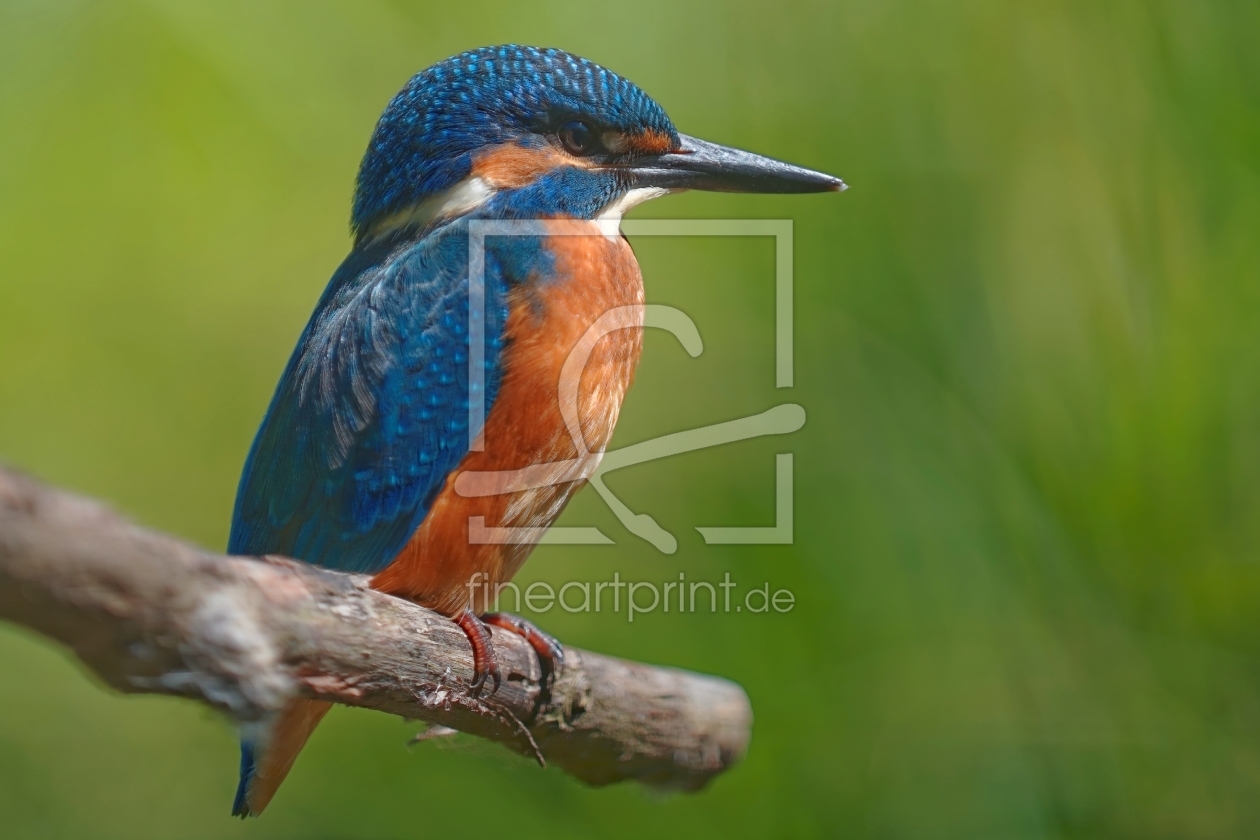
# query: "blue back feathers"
{"points": [[371, 413]]}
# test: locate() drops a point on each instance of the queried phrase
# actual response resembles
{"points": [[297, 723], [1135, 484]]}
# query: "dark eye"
{"points": [[577, 137]]}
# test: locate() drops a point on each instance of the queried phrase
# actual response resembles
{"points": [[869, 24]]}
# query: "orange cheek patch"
{"points": [[511, 165], [650, 143]]}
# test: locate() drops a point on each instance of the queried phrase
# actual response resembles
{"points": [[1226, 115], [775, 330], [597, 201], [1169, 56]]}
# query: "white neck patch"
{"points": [[472, 192], [464, 197], [609, 219]]}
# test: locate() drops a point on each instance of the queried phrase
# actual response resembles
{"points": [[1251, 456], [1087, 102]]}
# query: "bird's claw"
{"points": [[550, 651], [479, 681], [485, 664]]}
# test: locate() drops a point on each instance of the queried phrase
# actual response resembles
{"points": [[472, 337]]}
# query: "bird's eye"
{"points": [[577, 137]]}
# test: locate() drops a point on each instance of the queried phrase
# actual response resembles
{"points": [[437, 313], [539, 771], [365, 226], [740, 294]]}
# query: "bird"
{"points": [[354, 464]]}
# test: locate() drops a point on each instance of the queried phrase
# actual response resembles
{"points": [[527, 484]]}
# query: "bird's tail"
{"points": [[266, 760]]}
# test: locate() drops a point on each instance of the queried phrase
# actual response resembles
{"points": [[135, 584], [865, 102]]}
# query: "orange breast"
{"points": [[548, 318]]}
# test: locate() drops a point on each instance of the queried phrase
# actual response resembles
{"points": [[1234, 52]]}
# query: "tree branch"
{"points": [[149, 613]]}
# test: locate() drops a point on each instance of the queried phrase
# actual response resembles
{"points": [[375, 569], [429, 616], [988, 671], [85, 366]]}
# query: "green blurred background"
{"points": [[1028, 342]]}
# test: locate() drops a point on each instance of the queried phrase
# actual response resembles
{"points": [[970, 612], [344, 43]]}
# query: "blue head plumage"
{"points": [[428, 135]]}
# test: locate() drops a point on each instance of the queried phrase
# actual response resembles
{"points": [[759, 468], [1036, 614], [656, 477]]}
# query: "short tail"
{"points": [[267, 760]]}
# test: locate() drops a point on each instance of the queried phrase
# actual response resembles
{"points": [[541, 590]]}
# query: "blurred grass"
{"points": [[1028, 340]]}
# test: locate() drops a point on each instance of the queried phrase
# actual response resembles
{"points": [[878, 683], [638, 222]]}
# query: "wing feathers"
{"points": [[372, 411]]}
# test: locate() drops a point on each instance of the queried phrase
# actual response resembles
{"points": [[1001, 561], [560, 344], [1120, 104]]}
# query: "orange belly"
{"points": [[547, 319]]}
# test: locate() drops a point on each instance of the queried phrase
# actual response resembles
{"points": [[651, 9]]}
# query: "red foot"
{"points": [[550, 651], [484, 663]]}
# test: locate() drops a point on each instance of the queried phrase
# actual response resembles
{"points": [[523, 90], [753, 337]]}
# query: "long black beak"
{"points": [[700, 165]]}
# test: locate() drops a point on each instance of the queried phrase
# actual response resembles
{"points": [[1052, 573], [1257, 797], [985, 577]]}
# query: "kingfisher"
{"points": [[354, 465]]}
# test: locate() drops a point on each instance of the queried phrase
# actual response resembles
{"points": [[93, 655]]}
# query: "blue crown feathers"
{"points": [[425, 139]]}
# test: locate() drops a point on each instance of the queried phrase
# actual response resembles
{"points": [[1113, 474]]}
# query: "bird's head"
{"points": [[582, 139]]}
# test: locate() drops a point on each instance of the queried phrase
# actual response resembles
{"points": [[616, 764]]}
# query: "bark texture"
{"points": [[149, 613]]}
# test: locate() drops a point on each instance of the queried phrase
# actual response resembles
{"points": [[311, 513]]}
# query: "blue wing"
{"points": [[371, 413]]}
